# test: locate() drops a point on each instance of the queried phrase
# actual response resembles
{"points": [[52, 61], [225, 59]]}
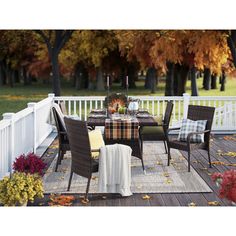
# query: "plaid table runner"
{"points": [[121, 129]]}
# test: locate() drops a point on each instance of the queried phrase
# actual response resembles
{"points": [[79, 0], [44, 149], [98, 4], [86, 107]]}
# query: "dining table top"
{"points": [[100, 120]]}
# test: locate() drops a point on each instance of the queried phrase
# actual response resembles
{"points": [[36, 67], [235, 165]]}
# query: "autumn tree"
{"points": [[55, 41], [88, 48], [136, 45], [17, 48]]}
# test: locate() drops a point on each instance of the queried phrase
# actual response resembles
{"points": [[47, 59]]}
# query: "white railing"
{"points": [[23, 132], [224, 118]]}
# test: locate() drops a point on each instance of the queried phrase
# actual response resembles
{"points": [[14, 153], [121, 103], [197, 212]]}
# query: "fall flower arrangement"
{"points": [[20, 188], [115, 101], [29, 163], [227, 183]]}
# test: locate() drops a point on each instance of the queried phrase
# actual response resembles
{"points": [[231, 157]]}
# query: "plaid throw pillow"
{"points": [[189, 126]]}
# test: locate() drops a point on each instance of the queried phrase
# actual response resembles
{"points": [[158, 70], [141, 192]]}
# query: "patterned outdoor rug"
{"points": [[159, 177]]}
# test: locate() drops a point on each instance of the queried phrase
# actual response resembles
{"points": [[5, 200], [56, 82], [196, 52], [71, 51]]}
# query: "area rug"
{"points": [[159, 177]]}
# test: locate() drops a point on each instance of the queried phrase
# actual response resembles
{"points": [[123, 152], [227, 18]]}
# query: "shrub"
{"points": [[30, 163], [227, 183], [20, 188]]}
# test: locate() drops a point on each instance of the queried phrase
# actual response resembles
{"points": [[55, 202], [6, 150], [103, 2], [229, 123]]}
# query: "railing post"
{"points": [[11, 117], [186, 98], [51, 95], [33, 106]]}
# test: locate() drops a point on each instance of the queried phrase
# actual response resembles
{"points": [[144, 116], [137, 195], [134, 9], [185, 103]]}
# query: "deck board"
{"points": [[199, 161]]}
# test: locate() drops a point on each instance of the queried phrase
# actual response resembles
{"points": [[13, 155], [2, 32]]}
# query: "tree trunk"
{"points": [[176, 76], [169, 88], [207, 79], [132, 74], [182, 80], [153, 80], [81, 77], [213, 81], [223, 80], [194, 87], [9, 76], [56, 83], [1, 73], [147, 84], [25, 76], [231, 40], [99, 80], [16, 76], [78, 77]]}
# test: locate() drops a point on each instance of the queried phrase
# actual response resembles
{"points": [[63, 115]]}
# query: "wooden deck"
{"points": [[199, 162]]}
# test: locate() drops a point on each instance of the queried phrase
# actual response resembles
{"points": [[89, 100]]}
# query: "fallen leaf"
{"points": [[146, 197], [61, 200], [94, 177], [159, 163], [204, 168], [168, 181], [232, 138], [166, 174], [192, 204], [214, 203], [151, 168], [85, 201], [50, 152]]}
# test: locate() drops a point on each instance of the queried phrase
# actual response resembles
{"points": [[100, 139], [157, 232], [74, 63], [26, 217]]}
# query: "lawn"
{"points": [[15, 99]]}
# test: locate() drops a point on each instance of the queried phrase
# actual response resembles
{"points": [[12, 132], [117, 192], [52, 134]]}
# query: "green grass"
{"points": [[15, 99]]}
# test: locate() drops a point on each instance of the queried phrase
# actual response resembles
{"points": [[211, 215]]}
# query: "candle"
{"points": [[127, 81], [108, 81]]}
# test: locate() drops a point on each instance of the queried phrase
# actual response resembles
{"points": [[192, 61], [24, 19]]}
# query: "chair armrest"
{"points": [[193, 133], [95, 150], [172, 129], [89, 128], [63, 132]]}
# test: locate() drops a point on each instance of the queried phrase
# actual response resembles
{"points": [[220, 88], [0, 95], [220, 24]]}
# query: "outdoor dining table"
{"points": [[137, 121], [94, 121]]}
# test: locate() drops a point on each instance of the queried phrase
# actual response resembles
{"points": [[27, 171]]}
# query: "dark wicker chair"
{"points": [[194, 113], [62, 137], [82, 162], [157, 133]]}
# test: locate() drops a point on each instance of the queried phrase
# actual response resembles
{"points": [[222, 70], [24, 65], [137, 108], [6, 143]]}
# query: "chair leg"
{"points": [[141, 145], [143, 164], [71, 175], [87, 189], [209, 157], [189, 161], [169, 156], [165, 146], [58, 159], [62, 155]]}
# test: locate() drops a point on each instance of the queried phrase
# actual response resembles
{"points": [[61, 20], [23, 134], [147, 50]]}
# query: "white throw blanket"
{"points": [[115, 169]]}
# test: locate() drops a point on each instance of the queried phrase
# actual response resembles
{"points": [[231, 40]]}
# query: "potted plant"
{"points": [[29, 163], [227, 183], [20, 188]]}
